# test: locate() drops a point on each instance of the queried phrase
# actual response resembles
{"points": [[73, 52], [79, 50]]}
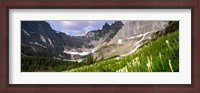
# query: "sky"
{"points": [[77, 28]]}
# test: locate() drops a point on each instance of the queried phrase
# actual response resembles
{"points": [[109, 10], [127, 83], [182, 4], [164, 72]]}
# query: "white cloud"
{"points": [[68, 23], [77, 28], [89, 28]]}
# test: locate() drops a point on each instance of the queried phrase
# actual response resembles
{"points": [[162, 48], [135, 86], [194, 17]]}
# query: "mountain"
{"points": [[134, 28], [39, 39], [133, 35], [117, 39], [100, 37]]}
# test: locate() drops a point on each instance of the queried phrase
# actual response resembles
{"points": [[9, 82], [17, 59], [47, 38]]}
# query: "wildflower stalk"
{"points": [[160, 56], [167, 42], [138, 63], [149, 64], [151, 60], [170, 65]]}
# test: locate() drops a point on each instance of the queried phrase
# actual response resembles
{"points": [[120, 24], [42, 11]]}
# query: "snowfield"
{"points": [[77, 53], [36, 43]]}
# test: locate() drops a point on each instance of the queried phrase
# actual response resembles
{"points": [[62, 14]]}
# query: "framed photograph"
{"points": [[100, 46]]}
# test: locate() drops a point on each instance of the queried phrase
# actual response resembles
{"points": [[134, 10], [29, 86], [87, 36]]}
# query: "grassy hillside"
{"points": [[161, 55]]}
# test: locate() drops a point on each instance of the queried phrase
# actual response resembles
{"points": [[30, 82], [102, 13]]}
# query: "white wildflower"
{"points": [[148, 65], [117, 58], [167, 41], [124, 69]]}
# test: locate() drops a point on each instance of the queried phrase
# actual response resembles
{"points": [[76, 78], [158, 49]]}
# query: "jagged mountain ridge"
{"points": [[39, 39]]}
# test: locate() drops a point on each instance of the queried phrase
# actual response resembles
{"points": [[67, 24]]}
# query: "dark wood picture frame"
{"points": [[98, 4]]}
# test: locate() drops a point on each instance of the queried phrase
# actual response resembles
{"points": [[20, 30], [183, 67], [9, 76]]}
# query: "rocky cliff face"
{"points": [[100, 37], [134, 28], [39, 39]]}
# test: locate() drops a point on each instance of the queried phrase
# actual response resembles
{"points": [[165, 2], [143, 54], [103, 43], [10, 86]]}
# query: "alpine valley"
{"points": [[133, 46]]}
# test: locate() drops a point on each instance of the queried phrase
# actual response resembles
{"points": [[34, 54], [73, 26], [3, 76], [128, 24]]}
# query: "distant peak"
{"points": [[119, 22], [106, 24]]}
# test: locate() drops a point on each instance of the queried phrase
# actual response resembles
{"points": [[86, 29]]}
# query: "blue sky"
{"points": [[77, 28]]}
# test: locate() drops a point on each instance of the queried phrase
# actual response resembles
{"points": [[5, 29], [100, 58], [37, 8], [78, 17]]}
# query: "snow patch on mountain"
{"points": [[42, 38], [94, 49], [137, 44], [119, 41], [135, 49], [26, 32], [36, 43], [77, 53], [50, 42]]}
